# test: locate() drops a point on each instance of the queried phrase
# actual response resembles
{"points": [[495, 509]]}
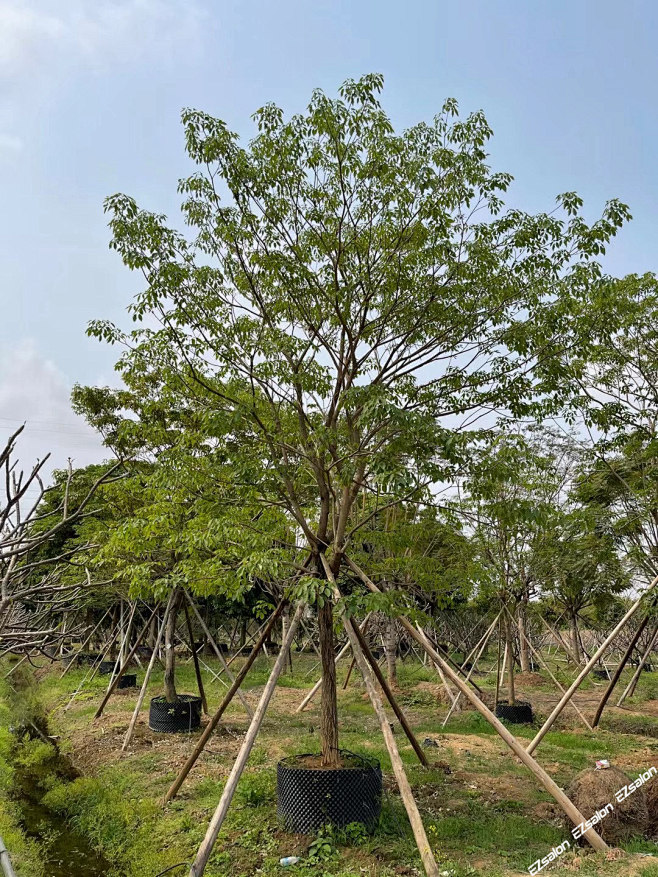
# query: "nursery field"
{"points": [[484, 812]]}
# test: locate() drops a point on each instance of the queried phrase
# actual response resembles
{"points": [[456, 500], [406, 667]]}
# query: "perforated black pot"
{"points": [[85, 658], [308, 798], [107, 667], [174, 718], [519, 713], [128, 680], [598, 673]]}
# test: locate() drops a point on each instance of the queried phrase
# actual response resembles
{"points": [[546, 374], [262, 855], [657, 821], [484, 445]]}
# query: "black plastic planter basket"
{"points": [[108, 667], [308, 797], [128, 680], [518, 713], [83, 658], [598, 673], [175, 718]]}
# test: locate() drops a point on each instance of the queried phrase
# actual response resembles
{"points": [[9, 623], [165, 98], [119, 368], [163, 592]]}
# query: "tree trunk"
{"points": [[329, 721], [524, 651], [510, 657], [575, 638], [170, 692], [390, 649]]}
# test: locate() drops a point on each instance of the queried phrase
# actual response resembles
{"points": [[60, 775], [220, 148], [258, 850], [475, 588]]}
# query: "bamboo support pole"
{"points": [[125, 665], [218, 652], [390, 696], [549, 784], [206, 848], [451, 697], [125, 630], [84, 644], [543, 663], [426, 855], [214, 721], [482, 644], [618, 671], [93, 670], [147, 675], [309, 697], [558, 636], [630, 688], [5, 861], [195, 658], [566, 697]]}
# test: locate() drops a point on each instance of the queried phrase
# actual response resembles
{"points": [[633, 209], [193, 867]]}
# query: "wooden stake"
{"points": [[389, 695], [548, 670], [84, 644], [309, 697], [147, 675], [630, 688], [620, 666], [195, 657], [566, 697], [218, 652], [551, 787], [228, 697], [482, 646], [426, 855], [206, 848], [125, 665]]}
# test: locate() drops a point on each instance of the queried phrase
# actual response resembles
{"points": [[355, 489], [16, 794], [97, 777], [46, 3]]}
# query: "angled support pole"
{"points": [[426, 855], [543, 663], [212, 724], [147, 675], [566, 697], [125, 665], [218, 652], [549, 784], [195, 658], [206, 848], [618, 671], [630, 688]]}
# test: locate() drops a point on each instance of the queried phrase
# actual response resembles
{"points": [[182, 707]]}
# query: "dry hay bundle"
{"points": [[593, 790], [652, 803]]}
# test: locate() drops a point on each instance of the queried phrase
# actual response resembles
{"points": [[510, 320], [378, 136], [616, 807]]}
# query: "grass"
{"points": [[478, 803]]}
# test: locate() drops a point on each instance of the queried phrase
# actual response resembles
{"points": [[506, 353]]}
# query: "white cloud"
{"points": [[35, 34], [35, 392]]}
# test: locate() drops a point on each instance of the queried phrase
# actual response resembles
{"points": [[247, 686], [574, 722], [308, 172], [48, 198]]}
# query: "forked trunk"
{"points": [[329, 721], [170, 692]]}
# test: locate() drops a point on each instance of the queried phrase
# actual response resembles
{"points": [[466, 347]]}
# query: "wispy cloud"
{"points": [[33, 391], [35, 34]]}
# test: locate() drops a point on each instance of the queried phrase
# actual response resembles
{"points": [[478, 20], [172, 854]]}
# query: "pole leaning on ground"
{"points": [[206, 848], [5, 861], [566, 697]]}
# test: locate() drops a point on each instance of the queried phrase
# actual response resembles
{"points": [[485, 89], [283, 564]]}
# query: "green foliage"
{"points": [[333, 311]]}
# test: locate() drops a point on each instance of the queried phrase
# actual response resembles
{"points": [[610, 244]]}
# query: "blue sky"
{"points": [[90, 99]]}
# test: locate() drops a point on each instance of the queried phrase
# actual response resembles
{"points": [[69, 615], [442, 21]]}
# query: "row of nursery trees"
{"points": [[357, 353]]}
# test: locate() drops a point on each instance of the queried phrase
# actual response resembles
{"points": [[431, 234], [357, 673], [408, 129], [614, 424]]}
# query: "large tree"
{"points": [[347, 299]]}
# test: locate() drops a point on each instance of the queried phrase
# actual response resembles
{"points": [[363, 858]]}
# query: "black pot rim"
{"points": [[291, 762], [516, 703], [182, 698]]}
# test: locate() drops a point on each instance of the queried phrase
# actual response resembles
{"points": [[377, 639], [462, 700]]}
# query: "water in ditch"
{"points": [[65, 853]]}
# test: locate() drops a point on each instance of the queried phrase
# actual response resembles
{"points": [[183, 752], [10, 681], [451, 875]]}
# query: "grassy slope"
{"points": [[487, 816]]}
